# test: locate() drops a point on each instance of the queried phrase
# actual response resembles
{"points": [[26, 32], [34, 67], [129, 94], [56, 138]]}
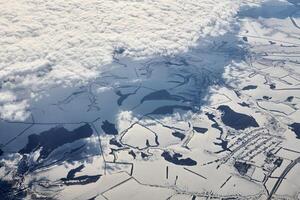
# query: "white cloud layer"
{"points": [[48, 42]]}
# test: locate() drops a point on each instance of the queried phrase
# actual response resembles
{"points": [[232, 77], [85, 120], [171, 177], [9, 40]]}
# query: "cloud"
{"points": [[53, 42], [7, 96], [15, 111]]}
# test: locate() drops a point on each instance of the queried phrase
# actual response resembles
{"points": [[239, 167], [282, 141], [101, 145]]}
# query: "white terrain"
{"points": [[149, 99]]}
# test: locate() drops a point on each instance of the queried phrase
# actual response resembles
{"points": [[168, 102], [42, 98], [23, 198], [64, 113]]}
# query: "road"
{"points": [[282, 176]]}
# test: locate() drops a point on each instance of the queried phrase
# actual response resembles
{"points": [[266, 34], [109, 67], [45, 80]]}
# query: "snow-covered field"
{"points": [[164, 99]]}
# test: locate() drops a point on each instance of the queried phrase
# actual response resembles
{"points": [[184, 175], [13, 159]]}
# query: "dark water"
{"points": [[72, 172], [290, 99], [144, 155], [9, 192], [200, 130], [179, 135], [109, 128], [267, 97], [132, 153], [54, 138], [147, 143], [244, 104], [224, 145], [5, 187], [278, 162], [215, 125], [175, 159], [165, 110], [113, 141], [238, 121], [160, 95], [272, 86], [122, 98], [296, 128], [242, 167], [250, 87], [81, 180], [77, 148]]}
